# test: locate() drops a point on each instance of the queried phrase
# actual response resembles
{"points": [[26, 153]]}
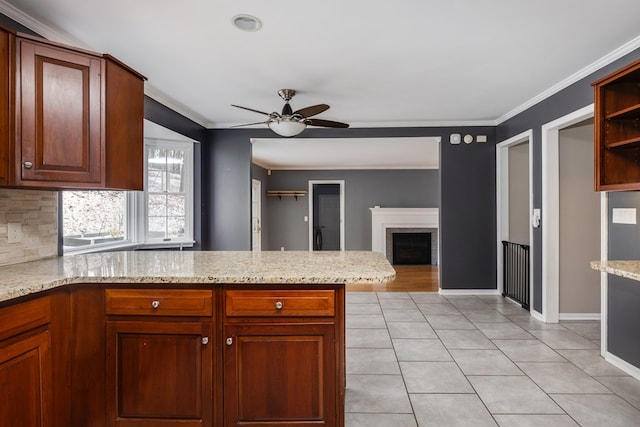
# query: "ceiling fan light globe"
{"points": [[287, 128]]}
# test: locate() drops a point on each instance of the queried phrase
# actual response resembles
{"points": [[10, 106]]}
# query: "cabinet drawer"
{"points": [[23, 316], [280, 303], [159, 302]]}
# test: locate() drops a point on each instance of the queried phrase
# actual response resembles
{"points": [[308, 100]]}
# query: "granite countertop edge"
{"points": [[195, 268], [623, 268]]}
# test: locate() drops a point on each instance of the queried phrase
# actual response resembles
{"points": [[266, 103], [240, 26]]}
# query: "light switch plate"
{"points": [[623, 216]]}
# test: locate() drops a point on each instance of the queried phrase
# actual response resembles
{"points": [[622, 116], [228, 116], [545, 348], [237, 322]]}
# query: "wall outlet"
{"points": [[14, 232]]}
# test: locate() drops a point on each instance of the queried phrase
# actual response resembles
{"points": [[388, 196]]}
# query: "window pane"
{"points": [[175, 169], [176, 226], [156, 169], [157, 227], [175, 205], [93, 217], [157, 205]]}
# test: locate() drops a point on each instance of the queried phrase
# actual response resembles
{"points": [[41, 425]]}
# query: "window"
{"points": [[101, 220], [168, 200], [93, 218]]}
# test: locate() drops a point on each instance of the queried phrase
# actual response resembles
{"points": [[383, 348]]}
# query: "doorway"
{"points": [[551, 214], [514, 199], [326, 215]]}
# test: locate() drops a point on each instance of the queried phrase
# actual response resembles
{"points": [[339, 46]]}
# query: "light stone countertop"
{"points": [[196, 267], [628, 269]]}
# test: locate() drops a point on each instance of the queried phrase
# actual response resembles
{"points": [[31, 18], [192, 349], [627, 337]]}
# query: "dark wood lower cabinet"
{"points": [[26, 393], [159, 373], [278, 375], [227, 355]]}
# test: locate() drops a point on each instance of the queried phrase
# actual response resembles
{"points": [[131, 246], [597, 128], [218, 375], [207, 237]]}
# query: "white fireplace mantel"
{"points": [[383, 218]]}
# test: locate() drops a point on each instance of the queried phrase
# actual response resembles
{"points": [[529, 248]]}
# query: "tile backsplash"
{"points": [[36, 211]]}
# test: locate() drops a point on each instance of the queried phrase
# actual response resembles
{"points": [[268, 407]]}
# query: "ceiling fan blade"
{"points": [[250, 124], [326, 123], [312, 110], [251, 109]]}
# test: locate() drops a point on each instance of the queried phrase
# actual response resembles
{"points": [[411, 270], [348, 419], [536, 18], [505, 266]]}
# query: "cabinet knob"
{"points": [[279, 305], [229, 341], [205, 340], [155, 304], [27, 165]]}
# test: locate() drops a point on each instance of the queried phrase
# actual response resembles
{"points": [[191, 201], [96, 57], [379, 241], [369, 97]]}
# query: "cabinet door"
{"points": [[159, 374], [276, 375], [25, 382], [60, 129]]}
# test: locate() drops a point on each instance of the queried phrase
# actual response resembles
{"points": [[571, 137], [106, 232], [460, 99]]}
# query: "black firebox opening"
{"points": [[411, 248]]}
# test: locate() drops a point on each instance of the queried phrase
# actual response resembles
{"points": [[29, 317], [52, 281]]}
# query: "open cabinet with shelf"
{"points": [[617, 130]]}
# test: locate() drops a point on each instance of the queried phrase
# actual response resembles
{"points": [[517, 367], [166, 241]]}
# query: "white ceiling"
{"points": [[347, 153], [376, 63]]}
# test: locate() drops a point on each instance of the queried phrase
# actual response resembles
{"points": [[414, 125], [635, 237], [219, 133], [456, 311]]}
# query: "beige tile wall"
{"points": [[37, 212]]}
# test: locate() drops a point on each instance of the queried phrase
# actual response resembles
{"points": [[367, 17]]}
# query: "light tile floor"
{"points": [[422, 359]]}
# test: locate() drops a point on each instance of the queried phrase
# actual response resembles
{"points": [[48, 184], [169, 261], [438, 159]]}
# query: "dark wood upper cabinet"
{"points": [[77, 117], [617, 130]]}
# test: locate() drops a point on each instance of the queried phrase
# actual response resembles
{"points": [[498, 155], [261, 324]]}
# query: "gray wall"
{"points": [[579, 222], [467, 196], [623, 339], [570, 99], [363, 190]]}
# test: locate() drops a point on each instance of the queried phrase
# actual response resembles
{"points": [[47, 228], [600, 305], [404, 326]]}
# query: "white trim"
{"points": [[38, 27], [627, 367], [502, 202], [536, 315], [327, 181], [152, 92], [580, 316], [604, 277], [551, 210], [383, 218], [446, 292], [575, 77], [256, 191]]}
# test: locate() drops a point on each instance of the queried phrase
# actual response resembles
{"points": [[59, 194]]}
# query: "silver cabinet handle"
{"points": [[279, 305], [155, 304], [205, 340], [27, 165], [229, 341]]}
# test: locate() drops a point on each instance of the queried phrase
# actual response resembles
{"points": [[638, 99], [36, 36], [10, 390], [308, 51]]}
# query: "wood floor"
{"points": [[409, 278]]}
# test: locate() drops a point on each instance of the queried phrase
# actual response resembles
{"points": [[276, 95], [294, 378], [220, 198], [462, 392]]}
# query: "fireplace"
{"points": [[387, 221], [411, 248]]}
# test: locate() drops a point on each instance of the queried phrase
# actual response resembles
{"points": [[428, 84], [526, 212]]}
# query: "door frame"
{"points": [[256, 189], [340, 182], [551, 214], [502, 202]]}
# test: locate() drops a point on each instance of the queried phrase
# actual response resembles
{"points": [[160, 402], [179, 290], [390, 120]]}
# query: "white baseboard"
{"points": [[580, 316], [630, 369], [446, 292], [536, 315]]}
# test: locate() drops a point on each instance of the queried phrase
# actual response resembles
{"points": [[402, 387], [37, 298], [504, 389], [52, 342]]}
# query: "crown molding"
{"points": [[153, 92], [62, 37], [40, 28], [575, 77], [363, 125]]}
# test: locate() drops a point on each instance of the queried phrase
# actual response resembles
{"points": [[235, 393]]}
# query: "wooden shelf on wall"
{"points": [[286, 193]]}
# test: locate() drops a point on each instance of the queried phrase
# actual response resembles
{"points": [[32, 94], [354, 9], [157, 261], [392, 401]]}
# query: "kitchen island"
{"points": [[154, 338]]}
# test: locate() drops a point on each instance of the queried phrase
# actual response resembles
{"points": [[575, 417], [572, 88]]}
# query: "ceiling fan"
{"points": [[291, 123]]}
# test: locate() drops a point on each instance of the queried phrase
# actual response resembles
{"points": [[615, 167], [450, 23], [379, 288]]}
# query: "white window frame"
{"points": [[187, 240], [136, 208]]}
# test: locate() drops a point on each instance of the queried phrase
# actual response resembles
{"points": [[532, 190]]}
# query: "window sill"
{"points": [[133, 247]]}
